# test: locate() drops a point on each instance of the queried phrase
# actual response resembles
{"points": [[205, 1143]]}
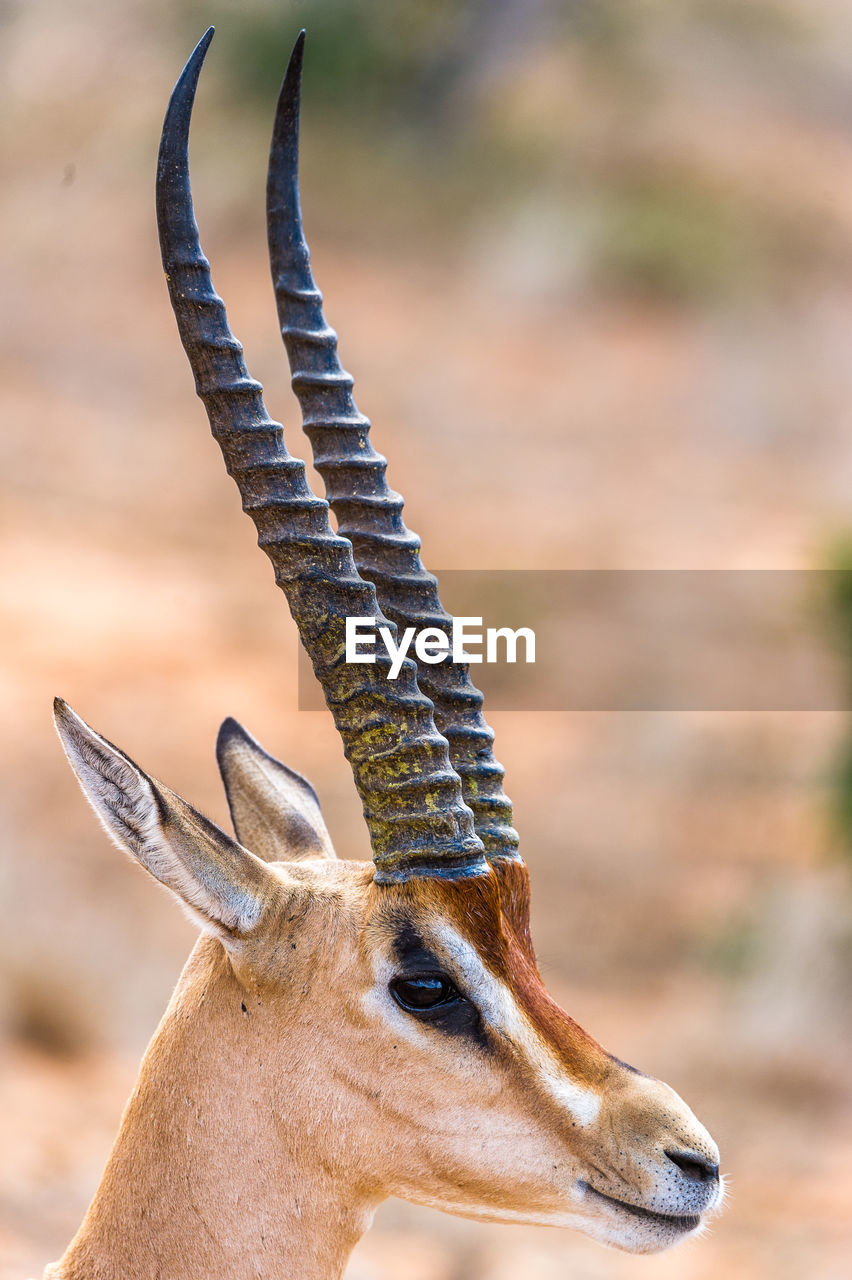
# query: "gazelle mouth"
{"points": [[679, 1222]]}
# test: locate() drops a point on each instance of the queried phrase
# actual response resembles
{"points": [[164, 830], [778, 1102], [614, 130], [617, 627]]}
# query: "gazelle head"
{"points": [[440, 1069]]}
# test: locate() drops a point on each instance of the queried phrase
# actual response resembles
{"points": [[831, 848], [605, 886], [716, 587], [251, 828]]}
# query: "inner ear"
{"points": [[223, 887], [275, 811]]}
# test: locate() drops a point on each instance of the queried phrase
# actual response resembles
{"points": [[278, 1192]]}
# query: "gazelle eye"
{"points": [[425, 992]]}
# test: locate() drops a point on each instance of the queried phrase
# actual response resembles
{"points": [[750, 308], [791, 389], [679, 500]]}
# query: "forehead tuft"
{"points": [[490, 911]]}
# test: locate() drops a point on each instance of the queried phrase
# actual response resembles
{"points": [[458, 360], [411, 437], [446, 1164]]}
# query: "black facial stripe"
{"points": [[411, 951], [415, 959], [627, 1067], [459, 1019]]}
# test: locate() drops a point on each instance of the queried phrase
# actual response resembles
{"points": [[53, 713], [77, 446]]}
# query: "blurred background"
{"points": [[592, 268]]}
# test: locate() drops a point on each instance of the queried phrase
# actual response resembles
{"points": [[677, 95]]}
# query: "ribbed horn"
{"points": [[368, 511], [417, 820]]}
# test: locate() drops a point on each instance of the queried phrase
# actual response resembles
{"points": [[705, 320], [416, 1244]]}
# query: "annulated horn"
{"points": [[413, 805], [368, 511]]}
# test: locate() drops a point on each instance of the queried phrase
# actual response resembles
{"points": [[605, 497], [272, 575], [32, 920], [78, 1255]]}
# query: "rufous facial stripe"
{"points": [[504, 1015]]}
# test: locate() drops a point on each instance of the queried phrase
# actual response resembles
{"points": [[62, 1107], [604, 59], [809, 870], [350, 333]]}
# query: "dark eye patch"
{"points": [[425, 991]]}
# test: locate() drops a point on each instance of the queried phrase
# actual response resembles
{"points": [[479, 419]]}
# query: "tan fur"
{"points": [[285, 1094]]}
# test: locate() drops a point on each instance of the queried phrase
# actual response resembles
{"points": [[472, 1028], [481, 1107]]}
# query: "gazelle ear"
{"points": [[222, 886], [275, 810]]}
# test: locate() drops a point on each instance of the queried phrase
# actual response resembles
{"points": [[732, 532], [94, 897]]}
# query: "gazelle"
{"points": [[344, 1031]]}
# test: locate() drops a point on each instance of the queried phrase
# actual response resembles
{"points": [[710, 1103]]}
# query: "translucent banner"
{"points": [[616, 640]]}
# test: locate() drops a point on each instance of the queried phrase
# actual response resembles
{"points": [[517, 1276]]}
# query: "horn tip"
{"points": [[294, 66], [199, 53]]}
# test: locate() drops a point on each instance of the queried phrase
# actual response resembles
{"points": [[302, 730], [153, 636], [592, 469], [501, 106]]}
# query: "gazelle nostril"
{"points": [[694, 1166]]}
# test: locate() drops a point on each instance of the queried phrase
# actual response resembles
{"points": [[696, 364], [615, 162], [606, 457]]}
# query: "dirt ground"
{"points": [[691, 898]]}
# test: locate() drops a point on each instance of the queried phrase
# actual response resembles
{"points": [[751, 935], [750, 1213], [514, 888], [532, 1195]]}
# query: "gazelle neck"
{"points": [[213, 1172]]}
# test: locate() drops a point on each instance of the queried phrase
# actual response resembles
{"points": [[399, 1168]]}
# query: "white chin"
{"points": [[640, 1237]]}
